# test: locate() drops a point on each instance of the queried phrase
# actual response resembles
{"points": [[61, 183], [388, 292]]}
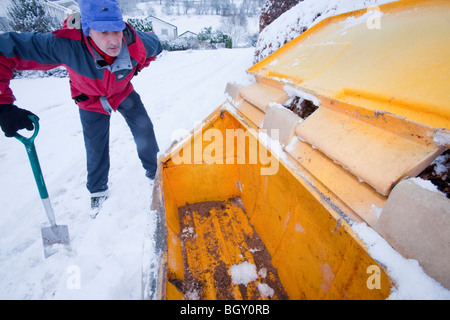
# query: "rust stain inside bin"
{"points": [[224, 256]]}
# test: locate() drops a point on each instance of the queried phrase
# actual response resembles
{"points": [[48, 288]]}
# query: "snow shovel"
{"points": [[56, 235]]}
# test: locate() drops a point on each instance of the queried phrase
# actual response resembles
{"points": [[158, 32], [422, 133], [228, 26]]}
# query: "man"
{"points": [[102, 54]]}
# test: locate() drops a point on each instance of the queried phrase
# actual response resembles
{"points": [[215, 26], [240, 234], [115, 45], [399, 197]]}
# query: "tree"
{"points": [[188, 4], [129, 7], [29, 16], [211, 38], [272, 9], [141, 24], [235, 26]]}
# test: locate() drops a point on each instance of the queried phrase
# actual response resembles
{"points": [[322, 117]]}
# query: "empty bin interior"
{"points": [[313, 253]]}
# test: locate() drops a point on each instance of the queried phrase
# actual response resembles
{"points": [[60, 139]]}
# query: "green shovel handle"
{"points": [[29, 140], [32, 156]]}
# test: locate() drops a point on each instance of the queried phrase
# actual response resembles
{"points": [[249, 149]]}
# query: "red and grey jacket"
{"points": [[94, 84]]}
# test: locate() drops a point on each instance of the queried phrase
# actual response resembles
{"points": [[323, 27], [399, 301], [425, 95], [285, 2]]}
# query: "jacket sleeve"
{"points": [[152, 45], [27, 51]]}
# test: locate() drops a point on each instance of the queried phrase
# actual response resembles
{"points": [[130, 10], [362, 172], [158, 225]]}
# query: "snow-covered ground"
{"points": [[178, 90]]}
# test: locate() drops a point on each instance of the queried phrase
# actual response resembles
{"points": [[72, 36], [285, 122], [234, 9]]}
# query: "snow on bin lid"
{"points": [[394, 58]]}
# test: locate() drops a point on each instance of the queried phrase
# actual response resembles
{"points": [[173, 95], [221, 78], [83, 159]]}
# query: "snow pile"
{"points": [[295, 92], [243, 273], [411, 282], [265, 290], [150, 264], [426, 184], [439, 164], [300, 18], [441, 138]]}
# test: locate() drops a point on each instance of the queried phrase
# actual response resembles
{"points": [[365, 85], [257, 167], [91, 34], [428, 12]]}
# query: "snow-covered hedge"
{"points": [[59, 72]]}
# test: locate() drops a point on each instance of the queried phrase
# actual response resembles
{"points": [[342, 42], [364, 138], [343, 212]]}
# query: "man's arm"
{"points": [[23, 51], [152, 46], [27, 51]]}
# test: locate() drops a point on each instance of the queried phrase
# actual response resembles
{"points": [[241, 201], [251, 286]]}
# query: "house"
{"points": [[163, 29], [188, 34], [69, 4], [60, 10]]}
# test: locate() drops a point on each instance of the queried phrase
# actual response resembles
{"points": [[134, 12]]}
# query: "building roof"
{"points": [[153, 17], [187, 32]]}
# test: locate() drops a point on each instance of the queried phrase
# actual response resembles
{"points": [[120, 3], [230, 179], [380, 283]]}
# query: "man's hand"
{"points": [[13, 119]]}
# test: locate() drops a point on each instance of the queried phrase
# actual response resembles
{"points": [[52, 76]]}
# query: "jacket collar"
{"points": [[122, 62]]}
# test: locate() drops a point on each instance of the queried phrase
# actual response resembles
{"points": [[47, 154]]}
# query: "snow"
{"points": [[439, 164], [426, 184], [193, 23], [3, 7], [243, 273], [295, 92], [265, 290], [442, 138], [411, 282]]}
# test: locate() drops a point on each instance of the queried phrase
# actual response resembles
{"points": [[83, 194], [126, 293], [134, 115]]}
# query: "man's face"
{"points": [[110, 42]]}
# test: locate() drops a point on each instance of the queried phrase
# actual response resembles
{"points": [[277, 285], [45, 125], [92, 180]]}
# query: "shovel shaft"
{"points": [[37, 172], [49, 211]]}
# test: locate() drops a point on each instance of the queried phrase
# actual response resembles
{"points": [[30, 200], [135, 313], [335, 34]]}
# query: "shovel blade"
{"points": [[54, 238]]}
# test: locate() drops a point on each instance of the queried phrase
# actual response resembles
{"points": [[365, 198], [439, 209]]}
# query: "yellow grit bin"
{"points": [[257, 202]]}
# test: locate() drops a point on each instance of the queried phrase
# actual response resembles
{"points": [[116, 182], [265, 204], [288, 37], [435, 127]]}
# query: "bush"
{"points": [[141, 24], [58, 72], [208, 37], [180, 44]]}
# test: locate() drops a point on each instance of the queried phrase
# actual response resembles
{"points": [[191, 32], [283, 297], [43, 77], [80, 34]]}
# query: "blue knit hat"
{"points": [[101, 15]]}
